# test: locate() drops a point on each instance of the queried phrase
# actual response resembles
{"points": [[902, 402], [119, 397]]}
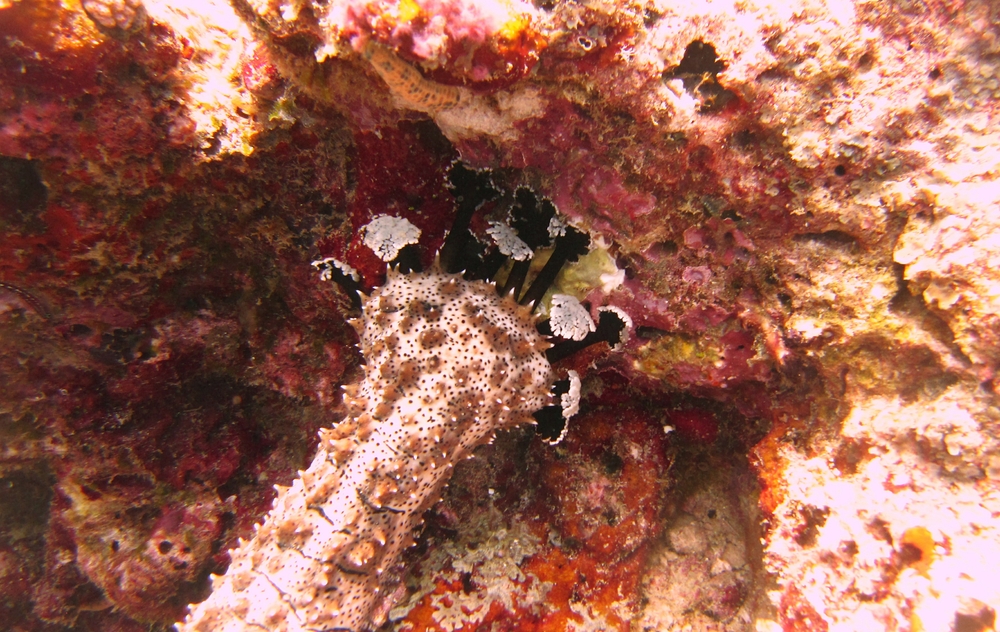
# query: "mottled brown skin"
{"points": [[408, 85], [448, 362]]}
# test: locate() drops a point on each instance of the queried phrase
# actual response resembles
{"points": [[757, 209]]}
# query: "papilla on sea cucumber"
{"points": [[449, 359]]}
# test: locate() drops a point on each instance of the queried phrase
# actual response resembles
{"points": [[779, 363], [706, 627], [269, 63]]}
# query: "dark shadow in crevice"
{"points": [[23, 194], [912, 306], [698, 71]]}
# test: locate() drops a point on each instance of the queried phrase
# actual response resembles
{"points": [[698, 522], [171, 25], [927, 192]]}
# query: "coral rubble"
{"points": [[795, 203]]}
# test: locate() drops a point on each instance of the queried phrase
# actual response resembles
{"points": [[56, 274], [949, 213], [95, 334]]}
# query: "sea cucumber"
{"points": [[450, 358], [408, 85], [448, 362]]}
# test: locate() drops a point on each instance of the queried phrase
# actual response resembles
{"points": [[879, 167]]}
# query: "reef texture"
{"points": [[796, 204]]}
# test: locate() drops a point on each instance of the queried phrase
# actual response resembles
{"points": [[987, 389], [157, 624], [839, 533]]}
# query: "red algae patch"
{"points": [[571, 556]]}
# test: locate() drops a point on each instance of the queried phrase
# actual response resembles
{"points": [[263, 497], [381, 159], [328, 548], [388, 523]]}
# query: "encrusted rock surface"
{"points": [[797, 205]]}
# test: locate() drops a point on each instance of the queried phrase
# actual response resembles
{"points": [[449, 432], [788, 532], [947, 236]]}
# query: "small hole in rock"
{"points": [[649, 333], [744, 139], [667, 248], [613, 464], [23, 194], [698, 71]]}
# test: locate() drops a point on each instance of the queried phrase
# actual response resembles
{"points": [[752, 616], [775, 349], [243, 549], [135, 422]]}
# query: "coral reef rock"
{"points": [[795, 204]]}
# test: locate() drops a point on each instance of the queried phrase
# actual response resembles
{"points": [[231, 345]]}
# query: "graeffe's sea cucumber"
{"points": [[448, 362]]}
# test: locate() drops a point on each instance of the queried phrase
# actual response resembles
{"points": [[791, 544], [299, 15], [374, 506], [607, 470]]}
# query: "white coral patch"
{"points": [[387, 235], [508, 242], [569, 319], [611, 281]]}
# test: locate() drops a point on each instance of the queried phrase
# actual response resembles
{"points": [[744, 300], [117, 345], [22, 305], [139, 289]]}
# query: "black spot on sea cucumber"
{"points": [[649, 333]]}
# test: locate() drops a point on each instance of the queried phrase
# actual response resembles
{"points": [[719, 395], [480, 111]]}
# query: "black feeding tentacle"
{"points": [[471, 189], [530, 219], [569, 247], [611, 328], [344, 276], [408, 259]]}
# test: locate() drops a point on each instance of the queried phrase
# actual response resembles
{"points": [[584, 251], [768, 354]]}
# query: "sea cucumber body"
{"points": [[413, 89], [447, 364]]}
